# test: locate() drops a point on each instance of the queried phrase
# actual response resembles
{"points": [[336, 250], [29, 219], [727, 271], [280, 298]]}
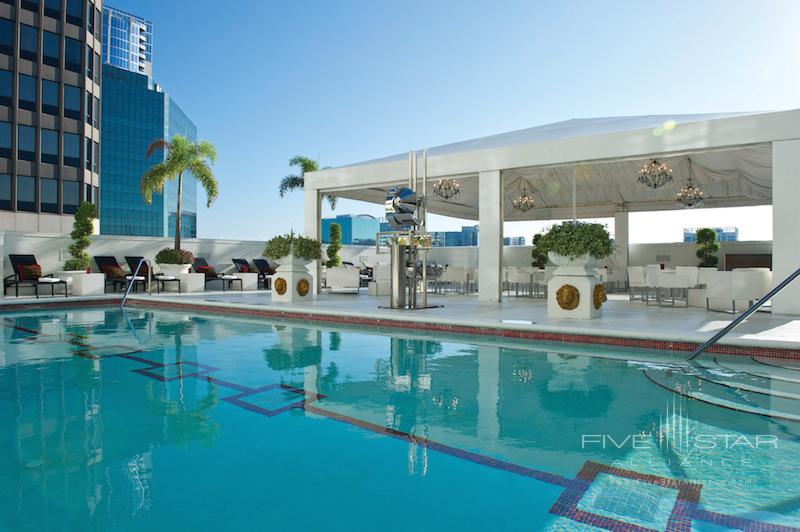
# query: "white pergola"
{"points": [[738, 159]]}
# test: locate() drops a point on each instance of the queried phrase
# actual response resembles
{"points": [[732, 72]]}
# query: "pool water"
{"points": [[154, 420]]}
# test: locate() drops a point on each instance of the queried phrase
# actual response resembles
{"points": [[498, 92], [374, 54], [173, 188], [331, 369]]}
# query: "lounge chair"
{"points": [[160, 279], [201, 266], [27, 272], [265, 272], [115, 275]]}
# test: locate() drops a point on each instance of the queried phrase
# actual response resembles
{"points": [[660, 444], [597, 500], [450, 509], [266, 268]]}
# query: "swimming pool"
{"points": [[156, 420]]}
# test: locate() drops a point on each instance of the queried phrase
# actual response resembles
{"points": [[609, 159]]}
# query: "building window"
{"points": [[89, 109], [87, 148], [88, 192], [49, 146], [50, 97], [72, 102], [5, 192], [75, 12], [27, 92], [52, 8], [28, 42], [98, 31], [96, 157], [5, 139], [32, 5], [71, 196], [72, 54], [96, 112], [6, 87], [51, 49], [48, 193], [26, 193], [90, 22], [72, 150], [89, 63], [26, 143], [6, 36], [97, 62]]}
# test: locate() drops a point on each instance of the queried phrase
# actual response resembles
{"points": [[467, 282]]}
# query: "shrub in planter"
{"points": [[538, 253], [334, 246], [575, 239], [304, 248], [174, 256], [82, 229], [707, 245]]}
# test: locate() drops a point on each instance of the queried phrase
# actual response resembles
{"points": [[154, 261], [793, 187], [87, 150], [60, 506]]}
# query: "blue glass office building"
{"points": [[128, 41], [357, 230], [136, 112]]}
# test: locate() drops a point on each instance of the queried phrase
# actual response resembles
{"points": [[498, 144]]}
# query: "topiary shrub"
{"points": [[573, 239], [82, 229], [707, 245], [334, 246], [538, 253], [304, 247], [174, 256]]}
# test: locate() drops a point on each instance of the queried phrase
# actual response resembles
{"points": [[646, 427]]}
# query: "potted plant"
{"points": [[578, 244], [538, 253], [292, 248], [707, 245], [174, 261], [82, 229], [334, 246]]}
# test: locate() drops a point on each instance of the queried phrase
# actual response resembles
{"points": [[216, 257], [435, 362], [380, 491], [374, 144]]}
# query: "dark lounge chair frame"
{"points": [[14, 280], [200, 262], [160, 283], [117, 283], [265, 272]]}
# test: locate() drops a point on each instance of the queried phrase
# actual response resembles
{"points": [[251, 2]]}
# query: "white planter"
{"points": [[81, 283], [174, 269], [579, 276], [583, 265], [292, 281]]}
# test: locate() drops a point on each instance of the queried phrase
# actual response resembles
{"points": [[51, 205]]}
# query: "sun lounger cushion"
{"points": [[207, 270], [29, 272], [113, 272], [49, 280], [228, 277], [162, 277], [137, 278]]}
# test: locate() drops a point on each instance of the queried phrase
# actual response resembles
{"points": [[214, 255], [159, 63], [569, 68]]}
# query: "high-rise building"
{"points": [[136, 112], [50, 79], [724, 234], [514, 241], [357, 230], [128, 41]]}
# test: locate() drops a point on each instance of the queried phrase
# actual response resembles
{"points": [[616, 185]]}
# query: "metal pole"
{"points": [[574, 195], [424, 225]]}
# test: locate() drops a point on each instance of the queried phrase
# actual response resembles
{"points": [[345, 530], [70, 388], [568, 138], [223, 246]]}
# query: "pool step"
{"points": [[726, 394], [749, 368], [751, 382]]}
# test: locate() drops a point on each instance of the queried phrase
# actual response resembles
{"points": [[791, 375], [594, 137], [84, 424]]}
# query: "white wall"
{"points": [[51, 249]]}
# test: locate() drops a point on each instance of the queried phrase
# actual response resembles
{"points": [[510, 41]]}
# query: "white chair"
{"points": [[637, 279], [750, 284], [719, 287], [690, 273], [343, 277], [652, 274], [679, 279], [516, 277], [454, 277], [380, 285], [703, 274]]}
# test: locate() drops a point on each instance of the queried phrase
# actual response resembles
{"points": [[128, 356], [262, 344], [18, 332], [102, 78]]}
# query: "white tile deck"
{"points": [[621, 317]]}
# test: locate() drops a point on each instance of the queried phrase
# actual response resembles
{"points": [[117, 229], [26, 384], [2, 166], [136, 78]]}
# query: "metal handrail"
{"points": [[755, 306], [133, 281]]}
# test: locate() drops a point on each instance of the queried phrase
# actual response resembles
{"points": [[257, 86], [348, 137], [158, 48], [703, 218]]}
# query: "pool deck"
{"points": [[624, 322]]}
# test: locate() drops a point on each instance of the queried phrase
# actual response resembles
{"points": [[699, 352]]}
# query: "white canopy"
{"points": [[730, 154]]}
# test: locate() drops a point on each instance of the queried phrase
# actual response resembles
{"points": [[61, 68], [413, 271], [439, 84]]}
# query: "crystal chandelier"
{"points": [[655, 174], [690, 195], [446, 188], [524, 202]]}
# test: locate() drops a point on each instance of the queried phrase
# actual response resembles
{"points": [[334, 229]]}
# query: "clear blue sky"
{"points": [[347, 81]]}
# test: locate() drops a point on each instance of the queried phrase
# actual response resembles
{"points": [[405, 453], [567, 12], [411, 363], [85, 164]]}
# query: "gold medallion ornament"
{"points": [[568, 297], [599, 296], [280, 286], [302, 287]]}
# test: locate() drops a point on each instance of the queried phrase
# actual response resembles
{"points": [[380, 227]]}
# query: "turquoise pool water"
{"points": [[152, 420]]}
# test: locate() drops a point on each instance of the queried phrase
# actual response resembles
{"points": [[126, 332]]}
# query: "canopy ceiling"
{"points": [[734, 172]]}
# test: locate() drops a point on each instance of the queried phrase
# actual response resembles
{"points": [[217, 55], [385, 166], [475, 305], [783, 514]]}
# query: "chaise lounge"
{"points": [[265, 272], [27, 272], [160, 279], [200, 265], [115, 275]]}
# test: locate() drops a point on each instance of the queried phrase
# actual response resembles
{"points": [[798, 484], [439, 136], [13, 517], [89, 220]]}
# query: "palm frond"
{"points": [[331, 200], [203, 174], [159, 144], [154, 179], [305, 164], [289, 183]]}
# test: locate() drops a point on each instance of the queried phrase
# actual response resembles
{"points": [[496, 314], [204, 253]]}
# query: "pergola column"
{"points": [[313, 222], [785, 199], [622, 241], [490, 239]]}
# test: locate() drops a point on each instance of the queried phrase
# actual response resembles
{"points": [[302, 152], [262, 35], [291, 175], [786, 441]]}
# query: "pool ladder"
{"points": [[754, 307], [133, 281]]}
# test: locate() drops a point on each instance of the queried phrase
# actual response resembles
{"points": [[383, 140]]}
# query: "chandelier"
{"points": [[524, 202], [690, 195], [655, 174], [446, 188]]}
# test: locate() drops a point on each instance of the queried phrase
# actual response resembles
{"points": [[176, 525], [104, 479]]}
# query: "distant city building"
{"points": [[135, 112], [128, 41], [514, 241], [357, 230], [724, 234]]}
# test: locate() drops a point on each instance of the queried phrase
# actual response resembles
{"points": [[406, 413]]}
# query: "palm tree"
{"points": [[183, 156], [296, 182]]}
